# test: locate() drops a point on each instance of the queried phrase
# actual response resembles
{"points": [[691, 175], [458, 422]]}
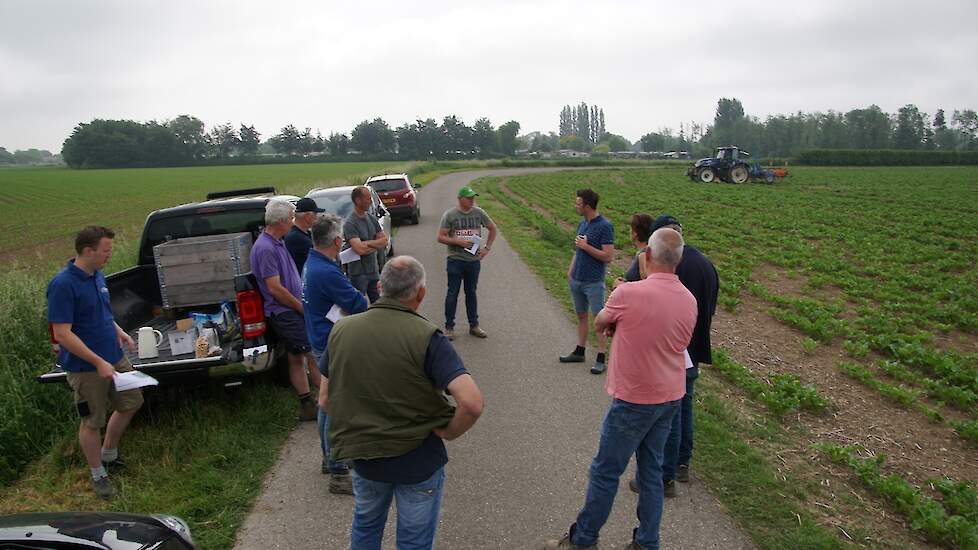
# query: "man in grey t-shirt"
{"points": [[461, 229], [363, 234]]}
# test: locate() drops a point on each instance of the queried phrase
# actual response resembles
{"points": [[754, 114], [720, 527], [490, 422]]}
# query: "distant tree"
{"points": [[458, 136], [224, 139], [869, 128], [307, 141], [507, 137], [484, 136], [909, 132], [584, 123], [287, 141], [568, 124], [616, 142], [373, 137], [6, 157], [601, 150], [189, 131], [655, 141], [122, 143], [966, 123], [338, 144], [939, 122], [573, 142], [248, 139], [833, 133]]}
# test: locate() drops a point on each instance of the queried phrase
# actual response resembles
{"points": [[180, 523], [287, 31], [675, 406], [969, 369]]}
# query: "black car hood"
{"points": [[106, 530]]}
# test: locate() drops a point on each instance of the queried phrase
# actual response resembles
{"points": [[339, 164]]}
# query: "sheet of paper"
{"points": [[349, 255], [132, 380], [335, 313], [687, 360], [474, 248]]}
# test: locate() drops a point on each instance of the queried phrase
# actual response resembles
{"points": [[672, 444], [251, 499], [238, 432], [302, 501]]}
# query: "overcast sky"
{"points": [[329, 65]]}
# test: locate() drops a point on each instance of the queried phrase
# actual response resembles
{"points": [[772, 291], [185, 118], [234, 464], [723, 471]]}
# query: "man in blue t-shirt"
{"points": [[595, 248], [324, 287], [91, 353]]}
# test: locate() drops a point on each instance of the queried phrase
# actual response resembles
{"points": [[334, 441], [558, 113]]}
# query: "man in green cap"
{"points": [[461, 230]]}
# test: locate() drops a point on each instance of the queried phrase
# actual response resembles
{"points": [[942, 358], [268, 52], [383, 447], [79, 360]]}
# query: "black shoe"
{"points": [[572, 358], [633, 485], [669, 488], [682, 473], [117, 464], [599, 367]]}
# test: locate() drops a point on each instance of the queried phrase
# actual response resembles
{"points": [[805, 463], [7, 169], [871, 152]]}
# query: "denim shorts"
{"points": [[587, 295]]}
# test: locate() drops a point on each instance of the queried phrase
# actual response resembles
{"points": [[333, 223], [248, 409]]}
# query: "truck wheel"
{"points": [[739, 174], [707, 175], [416, 217]]}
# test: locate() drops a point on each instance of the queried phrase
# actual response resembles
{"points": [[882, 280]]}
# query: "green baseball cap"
{"points": [[467, 192]]}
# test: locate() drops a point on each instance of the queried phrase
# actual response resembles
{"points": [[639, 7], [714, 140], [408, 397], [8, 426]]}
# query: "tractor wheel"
{"points": [[739, 174], [707, 175], [769, 177]]}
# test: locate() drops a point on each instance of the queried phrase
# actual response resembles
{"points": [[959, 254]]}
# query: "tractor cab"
{"points": [[730, 153]]}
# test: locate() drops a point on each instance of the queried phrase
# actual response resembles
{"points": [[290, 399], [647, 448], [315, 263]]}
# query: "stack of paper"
{"points": [[349, 255], [476, 241], [132, 380]]}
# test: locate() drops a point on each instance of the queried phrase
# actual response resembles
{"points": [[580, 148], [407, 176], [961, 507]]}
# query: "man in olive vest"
{"points": [[388, 411]]}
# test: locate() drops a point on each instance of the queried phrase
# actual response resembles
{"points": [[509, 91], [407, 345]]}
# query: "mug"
{"points": [[149, 339]]}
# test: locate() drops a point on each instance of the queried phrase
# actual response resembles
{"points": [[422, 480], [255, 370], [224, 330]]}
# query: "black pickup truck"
{"points": [[136, 298]]}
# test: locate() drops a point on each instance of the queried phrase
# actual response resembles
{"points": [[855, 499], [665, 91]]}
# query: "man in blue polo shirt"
{"points": [[91, 352], [595, 248], [323, 287]]}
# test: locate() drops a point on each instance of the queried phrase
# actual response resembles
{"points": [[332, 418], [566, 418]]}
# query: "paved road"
{"points": [[520, 474]]}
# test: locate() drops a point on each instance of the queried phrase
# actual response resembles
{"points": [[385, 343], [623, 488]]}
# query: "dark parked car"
{"points": [[398, 195], [101, 530]]}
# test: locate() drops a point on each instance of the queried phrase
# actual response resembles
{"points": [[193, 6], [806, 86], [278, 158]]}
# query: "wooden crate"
{"points": [[197, 271]]}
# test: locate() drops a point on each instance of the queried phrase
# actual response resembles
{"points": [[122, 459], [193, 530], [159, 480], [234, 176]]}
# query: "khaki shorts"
{"points": [[93, 395]]}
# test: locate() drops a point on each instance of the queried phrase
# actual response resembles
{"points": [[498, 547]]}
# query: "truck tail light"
{"points": [[251, 313], [55, 346]]}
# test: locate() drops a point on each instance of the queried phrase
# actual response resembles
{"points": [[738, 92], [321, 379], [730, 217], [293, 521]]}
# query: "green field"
{"points": [[861, 282], [45, 207], [869, 279]]}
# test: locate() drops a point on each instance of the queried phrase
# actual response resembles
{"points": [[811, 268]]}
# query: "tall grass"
{"points": [[32, 416]]}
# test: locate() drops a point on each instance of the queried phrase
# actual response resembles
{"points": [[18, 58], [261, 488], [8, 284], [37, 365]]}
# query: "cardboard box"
{"points": [[182, 341], [184, 324]]}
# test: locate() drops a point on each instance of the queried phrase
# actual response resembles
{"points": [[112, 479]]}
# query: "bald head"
{"points": [[402, 278], [666, 248]]}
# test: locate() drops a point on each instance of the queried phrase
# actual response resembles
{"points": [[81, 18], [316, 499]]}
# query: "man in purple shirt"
{"points": [[281, 290]]}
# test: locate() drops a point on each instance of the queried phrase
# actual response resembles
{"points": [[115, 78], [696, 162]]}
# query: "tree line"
{"points": [[868, 128], [27, 157], [185, 140]]}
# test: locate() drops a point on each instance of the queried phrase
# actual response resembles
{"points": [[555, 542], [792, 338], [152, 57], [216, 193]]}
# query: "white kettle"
{"points": [[149, 339]]}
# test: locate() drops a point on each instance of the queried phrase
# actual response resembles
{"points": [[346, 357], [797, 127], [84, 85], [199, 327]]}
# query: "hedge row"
{"points": [[884, 157]]}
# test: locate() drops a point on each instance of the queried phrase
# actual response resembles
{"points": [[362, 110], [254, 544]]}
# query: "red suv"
{"points": [[398, 196]]}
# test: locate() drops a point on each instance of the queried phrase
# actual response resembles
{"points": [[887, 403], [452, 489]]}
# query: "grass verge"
{"points": [[201, 457]]}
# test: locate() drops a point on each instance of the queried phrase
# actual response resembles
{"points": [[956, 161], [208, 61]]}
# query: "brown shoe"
{"points": [[340, 484], [682, 473], [564, 544], [478, 332], [308, 411]]}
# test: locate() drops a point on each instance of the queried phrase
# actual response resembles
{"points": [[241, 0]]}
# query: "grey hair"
{"points": [[401, 278], [666, 246], [325, 229], [278, 210]]}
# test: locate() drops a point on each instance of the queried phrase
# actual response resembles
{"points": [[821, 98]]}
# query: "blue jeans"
{"points": [[417, 512], [587, 295], [679, 446], [333, 466], [628, 429], [459, 272]]}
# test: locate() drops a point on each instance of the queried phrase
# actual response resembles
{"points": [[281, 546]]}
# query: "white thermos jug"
{"points": [[149, 340]]}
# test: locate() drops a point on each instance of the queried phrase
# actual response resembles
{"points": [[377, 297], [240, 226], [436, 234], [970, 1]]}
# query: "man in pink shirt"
{"points": [[652, 321]]}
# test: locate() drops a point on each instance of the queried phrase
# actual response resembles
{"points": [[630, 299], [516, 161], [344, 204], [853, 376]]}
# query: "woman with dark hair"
{"points": [[641, 226]]}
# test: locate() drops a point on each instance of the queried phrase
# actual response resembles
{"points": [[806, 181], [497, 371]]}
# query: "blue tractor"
{"points": [[729, 165]]}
